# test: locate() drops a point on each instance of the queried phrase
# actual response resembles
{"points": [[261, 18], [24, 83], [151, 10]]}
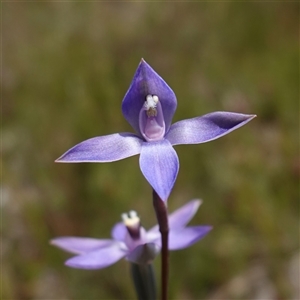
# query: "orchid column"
{"points": [[149, 106]]}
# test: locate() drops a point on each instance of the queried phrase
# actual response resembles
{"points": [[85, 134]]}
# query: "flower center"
{"points": [[150, 105], [132, 223], [151, 119]]}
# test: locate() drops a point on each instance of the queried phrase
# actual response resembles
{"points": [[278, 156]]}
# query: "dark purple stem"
{"points": [[163, 223]]}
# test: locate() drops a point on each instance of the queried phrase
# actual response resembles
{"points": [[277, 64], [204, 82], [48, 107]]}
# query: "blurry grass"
{"points": [[66, 68]]}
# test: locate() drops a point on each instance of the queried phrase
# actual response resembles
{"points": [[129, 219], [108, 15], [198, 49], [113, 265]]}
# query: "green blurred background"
{"points": [[66, 67]]}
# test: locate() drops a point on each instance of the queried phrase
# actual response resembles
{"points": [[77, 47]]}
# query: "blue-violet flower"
{"points": [[149, 106], [132, 241]]}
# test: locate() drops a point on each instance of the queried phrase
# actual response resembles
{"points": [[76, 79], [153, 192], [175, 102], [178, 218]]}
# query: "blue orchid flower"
{"points": [[132, 241], [149, 106]]}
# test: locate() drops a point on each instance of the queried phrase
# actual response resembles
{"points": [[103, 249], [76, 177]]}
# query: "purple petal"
{"points": [[153, 235], [206, 128], [143, 254], [159, 164], [147, 82], [186, 237], [105, 148], [119, 231], [179, 218], [97, 259], [80, 245]]}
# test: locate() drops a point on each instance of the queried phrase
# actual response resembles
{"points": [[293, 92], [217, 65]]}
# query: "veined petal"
{"points": [[97, 259], [105, 148], [159, 164], [206, 128], [80, 245], [186, 237], [147, 82], [179, 218]]}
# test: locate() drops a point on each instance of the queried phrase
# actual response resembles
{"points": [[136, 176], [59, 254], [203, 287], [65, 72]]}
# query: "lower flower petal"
{"points": [[178, 218], [186, 237], [105, 148], [80, 245], [159, 164], [143, 254], [206, 128], [98, 259]]}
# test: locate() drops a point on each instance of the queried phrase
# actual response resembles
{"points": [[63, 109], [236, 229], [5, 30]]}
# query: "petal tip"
{"points": [[73, 263], [52, 242], [252, 116], [61, 160], [70, 264], [197, 202]]}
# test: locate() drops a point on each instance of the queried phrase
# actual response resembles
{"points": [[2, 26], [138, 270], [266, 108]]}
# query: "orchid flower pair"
{"points": [[149, 106], [132, 241]]}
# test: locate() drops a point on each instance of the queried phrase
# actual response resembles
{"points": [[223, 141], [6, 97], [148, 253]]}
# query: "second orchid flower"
{"points": [[132, 241]]}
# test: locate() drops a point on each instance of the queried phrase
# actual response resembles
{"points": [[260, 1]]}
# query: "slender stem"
{"points": [[163, 223], [144, 281]]}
